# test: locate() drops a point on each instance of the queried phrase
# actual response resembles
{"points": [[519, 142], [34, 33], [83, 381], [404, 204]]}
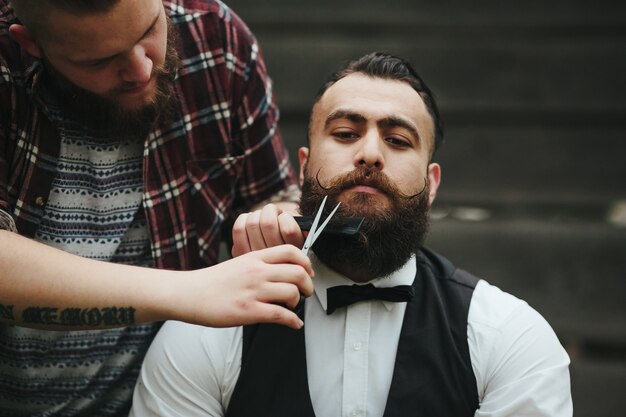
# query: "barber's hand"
{"points": [[260, 286], [265, 228]]}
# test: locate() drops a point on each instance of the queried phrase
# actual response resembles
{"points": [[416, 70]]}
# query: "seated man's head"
{"points": [[109, 56], [372, 134]]}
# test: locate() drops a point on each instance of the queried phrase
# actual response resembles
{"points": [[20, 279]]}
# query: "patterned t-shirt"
{"points": [[94, 210]]}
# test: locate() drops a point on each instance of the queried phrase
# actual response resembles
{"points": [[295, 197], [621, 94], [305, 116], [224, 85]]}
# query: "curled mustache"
{"points": [[369, 177]]}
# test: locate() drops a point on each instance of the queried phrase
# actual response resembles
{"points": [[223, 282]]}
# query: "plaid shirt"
{"points": [[222, 154]]}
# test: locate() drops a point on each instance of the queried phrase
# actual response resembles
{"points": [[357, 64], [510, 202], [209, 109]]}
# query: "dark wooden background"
{"points": [[533, 95]]}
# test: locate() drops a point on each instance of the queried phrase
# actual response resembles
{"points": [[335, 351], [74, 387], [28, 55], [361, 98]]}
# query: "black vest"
{"points": [[433, 375]]}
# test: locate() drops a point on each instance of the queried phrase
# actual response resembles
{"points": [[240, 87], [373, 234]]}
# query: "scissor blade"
{"points": [[319, 230], [310, 239]]}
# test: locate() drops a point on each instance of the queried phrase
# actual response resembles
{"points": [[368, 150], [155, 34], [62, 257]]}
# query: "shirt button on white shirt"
{"points": [[350, 372]]}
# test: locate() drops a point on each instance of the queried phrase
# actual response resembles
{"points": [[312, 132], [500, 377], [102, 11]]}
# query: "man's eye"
{"points": [[345, 135], [99, 63], [96, 64], [401, 143]]}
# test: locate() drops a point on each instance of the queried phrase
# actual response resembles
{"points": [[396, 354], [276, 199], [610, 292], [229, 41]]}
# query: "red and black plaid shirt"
{"points": [[222, 155]]}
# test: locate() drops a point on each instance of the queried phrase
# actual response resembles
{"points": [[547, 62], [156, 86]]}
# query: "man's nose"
{"points": [[138, 66], [371, 152]]}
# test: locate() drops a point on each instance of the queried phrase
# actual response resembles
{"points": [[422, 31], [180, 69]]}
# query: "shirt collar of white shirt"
{"points": [[326, 278]]}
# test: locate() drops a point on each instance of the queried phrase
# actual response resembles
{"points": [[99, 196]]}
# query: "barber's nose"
{"points": [[370, 153], [138, 67]]}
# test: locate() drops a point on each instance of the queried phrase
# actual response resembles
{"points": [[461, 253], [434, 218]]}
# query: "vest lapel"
{"points": [[433, 374]]}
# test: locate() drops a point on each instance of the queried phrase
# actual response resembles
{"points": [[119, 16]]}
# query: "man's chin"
{"points": [[363, 204], [137, 98]]}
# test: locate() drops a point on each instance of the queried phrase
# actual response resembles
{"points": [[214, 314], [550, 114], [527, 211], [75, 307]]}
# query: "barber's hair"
{"points": [[34, 13], [386, 66]]}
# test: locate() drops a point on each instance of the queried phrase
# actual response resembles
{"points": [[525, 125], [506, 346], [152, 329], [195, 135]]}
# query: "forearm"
{"points": [[47, 288]]}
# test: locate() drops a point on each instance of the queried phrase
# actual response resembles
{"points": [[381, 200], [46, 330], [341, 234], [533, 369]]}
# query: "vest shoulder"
{"points": [[443, 270]]}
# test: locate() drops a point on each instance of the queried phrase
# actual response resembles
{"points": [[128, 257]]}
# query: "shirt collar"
{"points": [[326, 278]]}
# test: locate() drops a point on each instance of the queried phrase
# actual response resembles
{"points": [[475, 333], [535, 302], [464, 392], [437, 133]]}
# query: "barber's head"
{"points": [[372, 133], [114, 50]]}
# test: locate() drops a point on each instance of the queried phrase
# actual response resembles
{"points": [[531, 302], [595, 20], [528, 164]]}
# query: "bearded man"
{"points": [[393, 329], [132, 133]]}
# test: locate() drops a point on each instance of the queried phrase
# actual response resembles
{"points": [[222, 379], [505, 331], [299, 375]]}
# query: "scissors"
{"points": [[315, 232]]}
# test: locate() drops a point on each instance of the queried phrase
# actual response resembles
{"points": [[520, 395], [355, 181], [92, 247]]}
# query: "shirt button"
{"points": [[40, 201], [356, 346]]}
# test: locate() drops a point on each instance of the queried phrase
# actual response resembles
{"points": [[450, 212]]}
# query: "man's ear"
{"points": [[26, 40], [303, 157], [434, 178]]}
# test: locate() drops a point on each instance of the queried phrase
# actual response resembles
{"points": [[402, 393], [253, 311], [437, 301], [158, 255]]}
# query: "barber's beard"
{"points": [[389, 235], [104, 113]]}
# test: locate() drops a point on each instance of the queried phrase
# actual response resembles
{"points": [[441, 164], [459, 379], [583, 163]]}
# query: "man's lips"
{"points": [[137, 88], [363, 188]]}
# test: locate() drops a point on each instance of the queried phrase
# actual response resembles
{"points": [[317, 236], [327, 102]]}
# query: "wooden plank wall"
{"points": [[534, 187]]}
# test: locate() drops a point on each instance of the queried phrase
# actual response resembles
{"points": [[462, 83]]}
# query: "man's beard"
{"points": [[106, 115], [388, 236]]}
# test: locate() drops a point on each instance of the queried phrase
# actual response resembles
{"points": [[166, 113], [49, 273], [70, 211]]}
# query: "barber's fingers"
{"points": [[278, 227], [284, 263], [280, 293], [255, 234], [265, 228], [284, 254], [290, 230], [241, 244], [295, 276], [247, 233], [277, 314], [269, 227]]}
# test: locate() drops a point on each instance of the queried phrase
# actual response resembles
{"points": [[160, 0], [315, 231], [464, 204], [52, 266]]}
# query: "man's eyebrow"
{"points": [[391, 121], [344, 114], [152, 25]]}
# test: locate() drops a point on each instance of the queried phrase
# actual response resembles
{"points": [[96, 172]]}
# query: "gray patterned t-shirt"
{"points": [[94, 210]]}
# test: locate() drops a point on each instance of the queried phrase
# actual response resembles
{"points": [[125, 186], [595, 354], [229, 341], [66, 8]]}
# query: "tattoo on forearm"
{"points": [[92, 317]]}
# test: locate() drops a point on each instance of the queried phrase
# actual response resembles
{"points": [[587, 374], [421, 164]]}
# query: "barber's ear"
{"points": [[303, 157], [434, 178], [25, 39]]}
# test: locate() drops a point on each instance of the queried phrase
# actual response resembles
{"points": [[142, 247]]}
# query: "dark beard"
{"points": [[105, 115], [387, 238]]}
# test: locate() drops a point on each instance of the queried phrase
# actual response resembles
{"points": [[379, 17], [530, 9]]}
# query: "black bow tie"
{"points": [[344, 295]]}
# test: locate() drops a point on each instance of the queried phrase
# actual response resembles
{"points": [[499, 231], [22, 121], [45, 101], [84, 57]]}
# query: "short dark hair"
{"points": [[33, 13], [386, 66]]}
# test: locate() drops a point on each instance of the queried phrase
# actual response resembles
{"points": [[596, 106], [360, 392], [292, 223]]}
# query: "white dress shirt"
{"points": [[519, 364]]}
